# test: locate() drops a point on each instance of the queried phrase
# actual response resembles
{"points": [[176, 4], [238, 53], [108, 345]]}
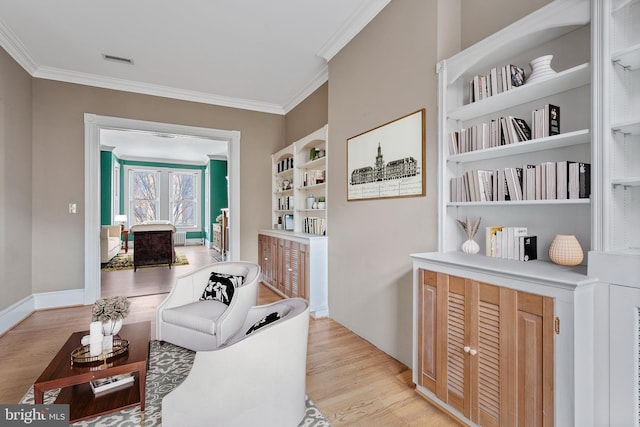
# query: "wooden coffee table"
{"points": [[74, 379]]}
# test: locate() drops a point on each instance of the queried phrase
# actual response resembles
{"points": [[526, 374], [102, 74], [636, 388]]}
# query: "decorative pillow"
{"points": [[270, 318], [221, 287]]}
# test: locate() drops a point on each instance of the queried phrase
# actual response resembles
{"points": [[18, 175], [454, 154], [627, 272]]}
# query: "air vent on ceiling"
{"points": [[117, 59]]}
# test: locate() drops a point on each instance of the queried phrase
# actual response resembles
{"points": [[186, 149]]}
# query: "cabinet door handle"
{"points": [[266, 259], [467, 349], [290, 269], [473, 352]]}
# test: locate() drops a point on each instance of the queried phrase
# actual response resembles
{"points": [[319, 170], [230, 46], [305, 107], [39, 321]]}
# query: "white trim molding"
{"points": [[93, 124]]}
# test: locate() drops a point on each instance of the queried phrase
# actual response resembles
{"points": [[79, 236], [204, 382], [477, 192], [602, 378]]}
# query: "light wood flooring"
{"points": [[350, 380]]}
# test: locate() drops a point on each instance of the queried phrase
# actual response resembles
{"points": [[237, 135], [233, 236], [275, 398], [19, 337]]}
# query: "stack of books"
{"points": [[506, 130], [499, 79], [510, 243], [544, 181], [115, 382]]}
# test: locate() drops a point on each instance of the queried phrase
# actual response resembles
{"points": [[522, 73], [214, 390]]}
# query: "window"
{"points": [[183, 201], [164, 194], [144, 192]]}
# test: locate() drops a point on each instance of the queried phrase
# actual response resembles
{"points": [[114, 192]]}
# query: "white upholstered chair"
{"points": [[186, 320], [255, 379]]}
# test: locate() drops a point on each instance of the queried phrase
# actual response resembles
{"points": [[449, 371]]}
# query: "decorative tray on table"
{"points": [[82, 355]]}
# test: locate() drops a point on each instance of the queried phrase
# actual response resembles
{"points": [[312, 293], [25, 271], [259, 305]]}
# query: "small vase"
{"points": [[111, 327], [565, 250], [470, 247], [540, 68], [310, 201], [107, 343]]}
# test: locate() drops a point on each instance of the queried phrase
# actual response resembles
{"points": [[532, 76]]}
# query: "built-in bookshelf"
{"points": [[616, 254], [564, 32], [299, 185]]}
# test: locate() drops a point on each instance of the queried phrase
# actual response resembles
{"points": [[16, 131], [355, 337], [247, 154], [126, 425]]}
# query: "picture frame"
{"points": [[287, 222], [388, 161]]}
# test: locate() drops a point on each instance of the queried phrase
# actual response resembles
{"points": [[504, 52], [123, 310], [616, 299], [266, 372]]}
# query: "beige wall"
{"points": [[15, 182], [58, 178], [308, 116], [483, 18], [387, 71]]}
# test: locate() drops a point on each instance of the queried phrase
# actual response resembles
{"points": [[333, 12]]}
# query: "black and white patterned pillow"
{"points": [[221, 287], [269, 318]]}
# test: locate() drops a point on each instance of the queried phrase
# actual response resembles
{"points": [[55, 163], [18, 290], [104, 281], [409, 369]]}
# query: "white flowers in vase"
{"points": [[110, 311]]}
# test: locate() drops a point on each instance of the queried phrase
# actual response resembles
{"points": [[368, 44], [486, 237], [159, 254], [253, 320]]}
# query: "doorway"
{"points": [[93, 125]]}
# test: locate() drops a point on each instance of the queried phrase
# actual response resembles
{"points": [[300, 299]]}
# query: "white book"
{"points": [[518, 233]]}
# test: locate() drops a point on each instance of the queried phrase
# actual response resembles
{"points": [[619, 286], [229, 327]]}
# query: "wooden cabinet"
{"points": [[295, 265], [486, 351]]}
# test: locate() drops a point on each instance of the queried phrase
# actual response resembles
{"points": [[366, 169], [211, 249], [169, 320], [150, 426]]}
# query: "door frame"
{"points": [[93, 123]]}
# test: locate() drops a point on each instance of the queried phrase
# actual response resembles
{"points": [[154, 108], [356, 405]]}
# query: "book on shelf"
{"points": [[508, 243], [528, 182], [513, 176], [546, 121], [517, 75], [490, 240], [522, 128], [528, 248], [109, 383], [579, 180]]}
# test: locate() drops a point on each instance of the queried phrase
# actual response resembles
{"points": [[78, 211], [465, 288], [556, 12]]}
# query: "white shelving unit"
{"points": [[562, 28], [296, 174], [616, 259], [563, 31]]}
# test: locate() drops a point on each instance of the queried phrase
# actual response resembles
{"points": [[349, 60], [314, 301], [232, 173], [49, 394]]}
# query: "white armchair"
{"points": [[257, 379], [109, 242], [186, 320]]}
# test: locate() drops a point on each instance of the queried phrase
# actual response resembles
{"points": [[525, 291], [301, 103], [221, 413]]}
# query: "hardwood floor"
{"points": [[350, 380], [149, 281]]}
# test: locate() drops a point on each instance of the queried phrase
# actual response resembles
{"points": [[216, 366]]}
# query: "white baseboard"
{"points": [[16, 313]]}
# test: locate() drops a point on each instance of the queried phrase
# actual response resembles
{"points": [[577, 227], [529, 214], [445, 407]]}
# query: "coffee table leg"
{"points": [[38, 395], [143, 382]]}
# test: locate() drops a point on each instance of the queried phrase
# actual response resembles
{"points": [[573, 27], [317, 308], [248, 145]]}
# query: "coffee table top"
{"points": [[61, 373]]}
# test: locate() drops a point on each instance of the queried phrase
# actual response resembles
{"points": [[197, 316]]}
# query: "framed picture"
{"points": [[388, 161], [288, 222]]}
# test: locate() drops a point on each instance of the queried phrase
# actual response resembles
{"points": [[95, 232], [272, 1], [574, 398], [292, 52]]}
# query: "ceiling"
{"points": [[261, 55]]}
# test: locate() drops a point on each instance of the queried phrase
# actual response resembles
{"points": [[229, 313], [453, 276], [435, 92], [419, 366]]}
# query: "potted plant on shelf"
{"points": [[321, 203]]}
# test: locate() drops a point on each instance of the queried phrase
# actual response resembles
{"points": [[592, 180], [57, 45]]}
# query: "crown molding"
{"points": [[360, 18], [315, 83], [16, 49], [51, 73]]}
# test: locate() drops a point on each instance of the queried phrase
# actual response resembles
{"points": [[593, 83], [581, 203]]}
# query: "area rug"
{"points": [[125, 262], [168, 367]]}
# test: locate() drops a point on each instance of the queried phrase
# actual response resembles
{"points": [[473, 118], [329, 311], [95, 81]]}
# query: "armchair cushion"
{"points": [[269, 318], [199, 316], [185, 319], [221, 287]]}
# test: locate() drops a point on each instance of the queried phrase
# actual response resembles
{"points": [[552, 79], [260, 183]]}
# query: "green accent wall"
{"points": [[219, 188], [106, 166], [218, 185]]}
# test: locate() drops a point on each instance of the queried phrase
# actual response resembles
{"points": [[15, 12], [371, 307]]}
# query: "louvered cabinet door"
{"points": [[493, 346], [459, 301], [534, 335], [282, 264], [300, 273], [264, 249], [429, 326]]}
